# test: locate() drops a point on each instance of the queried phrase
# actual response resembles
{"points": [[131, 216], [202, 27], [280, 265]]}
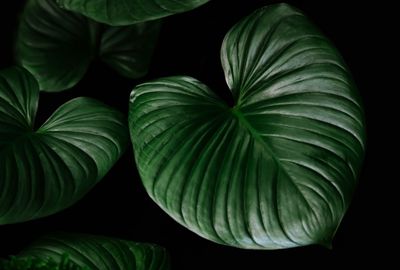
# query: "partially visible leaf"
{"points": [[277, 170], [57, 46], [124, 12], [46, 170], [100, 253], [33, 263], [128, 49]]}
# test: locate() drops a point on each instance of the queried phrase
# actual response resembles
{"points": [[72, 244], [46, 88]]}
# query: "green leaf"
{"points": [[32, 263], [100, 253], [57, 46], [46, 170], [279, 168], [125, 12]]}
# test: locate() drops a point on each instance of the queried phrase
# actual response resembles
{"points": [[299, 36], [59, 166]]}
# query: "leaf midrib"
{"points": [[253, 132], [246, 124]]}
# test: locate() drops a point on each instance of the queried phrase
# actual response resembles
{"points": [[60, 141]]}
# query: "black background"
{"points": [[189, 45]]}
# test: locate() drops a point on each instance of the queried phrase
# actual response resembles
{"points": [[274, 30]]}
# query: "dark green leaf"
{"points": [[57, 46], [124, 12], [100, 253], [279, 168], [33, 263], [46, 170]]}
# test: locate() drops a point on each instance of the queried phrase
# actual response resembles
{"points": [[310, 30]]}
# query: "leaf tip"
{"points": [[327, 244]]}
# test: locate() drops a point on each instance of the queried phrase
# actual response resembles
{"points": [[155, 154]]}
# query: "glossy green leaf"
{"points": [[125, 12], [279, 168], [57, 46], [45, 170], [99, 253]]}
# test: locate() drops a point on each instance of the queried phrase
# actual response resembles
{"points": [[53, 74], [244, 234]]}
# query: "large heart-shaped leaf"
{"points": [[279, 168], [96, 253], [46, 170], [57, 46], [124, 12]]}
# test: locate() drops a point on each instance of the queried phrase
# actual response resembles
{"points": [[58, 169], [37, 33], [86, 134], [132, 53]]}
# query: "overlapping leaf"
{"points": [[124, 12], [99, 253], [279, 168], [57, 46], [46, 170]]}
